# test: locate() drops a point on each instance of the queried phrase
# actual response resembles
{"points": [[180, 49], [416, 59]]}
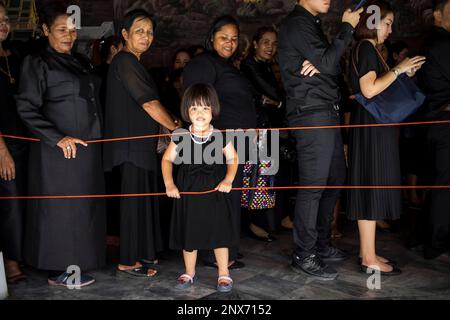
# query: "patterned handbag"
{"points": [[255, 177]]}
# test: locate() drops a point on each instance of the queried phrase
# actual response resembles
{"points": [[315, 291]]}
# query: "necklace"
{"points": [[204, 139], [8, 72]]}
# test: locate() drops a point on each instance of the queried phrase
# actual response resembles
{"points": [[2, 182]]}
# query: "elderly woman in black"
{"points": [[58, 101], [13, 155], [215, 67], [133, 109]]}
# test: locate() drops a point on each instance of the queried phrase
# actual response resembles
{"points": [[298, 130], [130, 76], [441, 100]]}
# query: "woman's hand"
{"points": [[308, 69], [178, 123], [69, 146], [411, 65], [7, 166], [172, 191], [225, 186]]}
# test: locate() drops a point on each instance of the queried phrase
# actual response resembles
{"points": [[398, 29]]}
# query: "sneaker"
{"points": [[332, 254], [313, 266], [63, 281]]}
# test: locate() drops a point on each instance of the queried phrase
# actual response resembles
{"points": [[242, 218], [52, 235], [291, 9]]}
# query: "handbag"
{"points": [[255, 177], [399, 101]]}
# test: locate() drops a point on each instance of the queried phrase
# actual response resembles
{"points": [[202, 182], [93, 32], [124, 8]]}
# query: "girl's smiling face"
{"points": [[200, 116]]}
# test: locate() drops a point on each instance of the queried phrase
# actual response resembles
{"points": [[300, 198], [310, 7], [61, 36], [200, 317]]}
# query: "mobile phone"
{"points": [[360, 4]]}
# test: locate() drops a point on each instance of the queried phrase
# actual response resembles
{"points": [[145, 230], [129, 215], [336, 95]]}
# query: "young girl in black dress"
{"points": [[201, 221]]}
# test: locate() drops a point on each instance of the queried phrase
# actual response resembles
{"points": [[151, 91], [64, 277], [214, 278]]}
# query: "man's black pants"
{"points": [[321, 162]]}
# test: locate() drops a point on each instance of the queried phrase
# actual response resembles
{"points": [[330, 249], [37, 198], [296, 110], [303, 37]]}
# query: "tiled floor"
{"points": [[267, 275]]}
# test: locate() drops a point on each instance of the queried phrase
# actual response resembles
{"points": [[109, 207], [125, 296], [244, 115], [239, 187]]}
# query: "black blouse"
{"points": [[237, 106], [10, 122], [129, 87], [261, 77], [59, 96], [366, 61]]}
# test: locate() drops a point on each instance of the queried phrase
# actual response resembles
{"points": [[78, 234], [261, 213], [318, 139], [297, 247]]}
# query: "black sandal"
{"points": [[141, 272]]}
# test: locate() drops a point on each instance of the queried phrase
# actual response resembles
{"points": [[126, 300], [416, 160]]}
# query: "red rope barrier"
{"points": [[268, 129], [212, 191]]}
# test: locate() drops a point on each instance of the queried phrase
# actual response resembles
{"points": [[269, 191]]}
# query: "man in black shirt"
{"points": [[435, 80], [312, 101]]}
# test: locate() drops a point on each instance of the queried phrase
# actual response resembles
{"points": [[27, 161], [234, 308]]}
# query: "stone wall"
{"points": [[181, 23]]}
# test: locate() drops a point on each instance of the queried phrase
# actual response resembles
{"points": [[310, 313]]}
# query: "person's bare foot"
{"points": [[150, 272], [375, 263], [287, 223], [258, 231], [124, 267], [380, 259], [13, 272], [383, 225]]}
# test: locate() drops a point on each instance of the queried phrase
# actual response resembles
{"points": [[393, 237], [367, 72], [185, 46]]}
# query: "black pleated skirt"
{"points": [[140, 227], [374, 160]]}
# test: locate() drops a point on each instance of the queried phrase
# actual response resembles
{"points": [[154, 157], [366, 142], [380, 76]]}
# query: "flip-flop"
{"points": [[141, 272]]}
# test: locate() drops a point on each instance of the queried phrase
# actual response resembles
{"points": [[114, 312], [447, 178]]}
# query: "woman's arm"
{"points": [[30, 101], [371, 85], [166, 167], [232, 159], [158, 113]]}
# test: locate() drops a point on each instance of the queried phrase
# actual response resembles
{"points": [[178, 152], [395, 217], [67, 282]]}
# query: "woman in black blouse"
{"points": [[58, 100], [235, 92], [374, 151], [133, 109], [13, 156], [258, 70]]}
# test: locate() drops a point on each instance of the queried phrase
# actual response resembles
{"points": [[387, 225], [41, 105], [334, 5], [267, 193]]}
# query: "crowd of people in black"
{"points": [[291, 77]]}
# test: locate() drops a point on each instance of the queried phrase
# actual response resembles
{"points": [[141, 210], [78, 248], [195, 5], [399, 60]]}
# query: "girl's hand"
{"points": [[172, 191], [7, 166], [225, 186]]}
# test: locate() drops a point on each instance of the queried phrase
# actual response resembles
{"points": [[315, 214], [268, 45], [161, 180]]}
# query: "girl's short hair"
{"points": [[216, 26], [362, 29], [133, 15], [200, 94]]}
